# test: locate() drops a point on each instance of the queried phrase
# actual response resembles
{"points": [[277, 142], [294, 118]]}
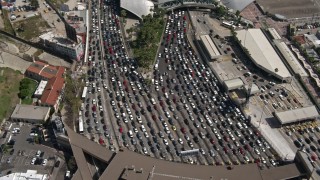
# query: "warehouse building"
{"points": [[262, 53], [297, 115]]}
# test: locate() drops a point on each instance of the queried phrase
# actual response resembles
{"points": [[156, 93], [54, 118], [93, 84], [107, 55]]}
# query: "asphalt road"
{"points": [[183, 109]]}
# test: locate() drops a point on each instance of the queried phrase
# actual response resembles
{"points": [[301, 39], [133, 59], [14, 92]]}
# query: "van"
{"points": [[210, 122], [130, 134]]}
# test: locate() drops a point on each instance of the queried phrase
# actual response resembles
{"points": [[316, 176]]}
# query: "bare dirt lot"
{"points": [[291, 8]]}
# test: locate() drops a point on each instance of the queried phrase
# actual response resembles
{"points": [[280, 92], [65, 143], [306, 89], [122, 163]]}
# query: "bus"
{"points": [[84, 92], [80, 125], [227, 25]]}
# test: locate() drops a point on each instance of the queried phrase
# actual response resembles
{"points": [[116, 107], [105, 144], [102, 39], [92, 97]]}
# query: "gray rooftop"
{"points": [[210, 46], [233, 83], [262, 52], [30, 112], [297, 115]]}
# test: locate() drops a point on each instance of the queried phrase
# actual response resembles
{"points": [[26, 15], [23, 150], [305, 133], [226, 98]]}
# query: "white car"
{"points": [[33, 161], [38, 153], [44, 162], [180, 141], [165, 141]]}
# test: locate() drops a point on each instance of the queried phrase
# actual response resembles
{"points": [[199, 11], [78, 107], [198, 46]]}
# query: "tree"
{"points": [[238, 13], [34, 3], [221, 11], [123, 13], [72, 165], [23, 93]]}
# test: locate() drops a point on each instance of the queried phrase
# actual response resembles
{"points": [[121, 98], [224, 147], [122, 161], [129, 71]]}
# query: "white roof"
{"points": [[29, 175], [296, 115], [233, 83], [274, 33], [210, 46], [291, 59], [262, 52], [40, 87], [137, 7]]}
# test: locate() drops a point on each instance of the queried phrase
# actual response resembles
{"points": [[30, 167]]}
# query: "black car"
{"points": [[57, 164]]}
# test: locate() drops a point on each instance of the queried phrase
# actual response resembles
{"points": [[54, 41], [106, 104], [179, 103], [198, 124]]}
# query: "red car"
{"points": [[120, 129], [212, 141], [94, 108], [154, 117], [183, 130], [101, 141]]}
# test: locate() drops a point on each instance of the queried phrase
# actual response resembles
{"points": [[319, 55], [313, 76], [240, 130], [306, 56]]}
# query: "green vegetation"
{"points": [[221, 11], [9, 89], [6, 21], [71, 99], [71, 164], [148, 38], [27, 88], [34, 3], [31, 27]]}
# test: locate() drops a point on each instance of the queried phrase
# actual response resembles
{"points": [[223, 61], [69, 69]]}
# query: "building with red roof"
{"points": [[51, 94], [43, 71]]}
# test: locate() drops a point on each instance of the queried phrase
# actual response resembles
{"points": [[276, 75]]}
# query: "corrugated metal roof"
{"points": [[297, 115]]}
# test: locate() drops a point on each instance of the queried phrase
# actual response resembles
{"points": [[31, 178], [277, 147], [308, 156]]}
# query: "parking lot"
{"points": [[183, 109], [19, 158]]}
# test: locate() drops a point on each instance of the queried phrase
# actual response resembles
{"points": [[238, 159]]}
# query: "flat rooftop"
{"points": [[262, 53], [23, 111], [297, 115], [210, 46], [59, 39], [226, 70]]}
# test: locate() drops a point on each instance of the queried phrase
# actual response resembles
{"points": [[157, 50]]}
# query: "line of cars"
{"points": [[306, 136], [185, 108]]}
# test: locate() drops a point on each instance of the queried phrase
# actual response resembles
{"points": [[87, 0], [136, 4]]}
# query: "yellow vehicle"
{"points": [[174, 128], [45, 11]]}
